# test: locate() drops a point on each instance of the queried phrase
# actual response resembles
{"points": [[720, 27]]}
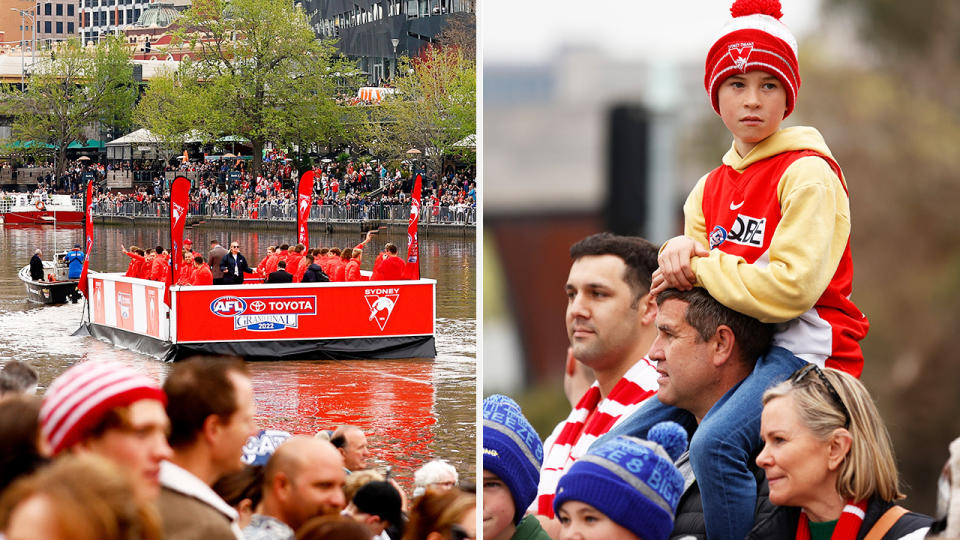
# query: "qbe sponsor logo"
{"points": [[264, 313]]}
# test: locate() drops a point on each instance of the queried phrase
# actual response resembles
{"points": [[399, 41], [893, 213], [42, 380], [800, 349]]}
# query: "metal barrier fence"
{"points": [[288, 212]]}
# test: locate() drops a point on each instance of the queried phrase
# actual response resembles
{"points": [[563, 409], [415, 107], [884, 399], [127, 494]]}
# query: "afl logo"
{"points": [[228, 306], [717, 236]]}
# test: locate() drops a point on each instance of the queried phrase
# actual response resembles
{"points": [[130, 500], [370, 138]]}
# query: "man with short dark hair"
{"points": [[303, 479], [281, 275], [715, 363], [377, 505], [352, 443], [314, 272], [388, 266], [609, 319], [211, 409]]}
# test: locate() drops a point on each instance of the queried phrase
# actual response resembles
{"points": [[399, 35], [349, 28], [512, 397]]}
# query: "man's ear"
{"points": [[722, 344], [212, 427], [648, 309]]}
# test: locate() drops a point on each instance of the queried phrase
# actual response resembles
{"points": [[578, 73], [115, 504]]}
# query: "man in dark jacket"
{"points": [[36, 266], [281, 275], [314, 272], [234, 266]]}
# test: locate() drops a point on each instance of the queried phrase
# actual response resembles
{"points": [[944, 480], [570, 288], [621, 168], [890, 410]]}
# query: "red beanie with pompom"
{"points": [[754, 40]]}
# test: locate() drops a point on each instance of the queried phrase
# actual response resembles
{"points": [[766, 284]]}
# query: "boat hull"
{"points": [[42, 217], [49, 292], [266, 321]]}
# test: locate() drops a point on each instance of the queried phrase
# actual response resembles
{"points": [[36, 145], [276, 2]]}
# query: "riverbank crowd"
{"points": [[226, 187], [111, 454]]}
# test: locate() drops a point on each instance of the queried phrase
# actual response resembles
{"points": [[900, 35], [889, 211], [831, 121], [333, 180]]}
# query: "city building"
{"points": [[378, 32]]}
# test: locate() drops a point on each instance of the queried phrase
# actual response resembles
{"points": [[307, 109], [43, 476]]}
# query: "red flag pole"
{"points": [[88, 239], [304, 201], [179, 201], [412, 268]]}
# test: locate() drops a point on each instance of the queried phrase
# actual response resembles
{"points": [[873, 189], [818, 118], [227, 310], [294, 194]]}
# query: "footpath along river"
{"points": [[413, 410]]}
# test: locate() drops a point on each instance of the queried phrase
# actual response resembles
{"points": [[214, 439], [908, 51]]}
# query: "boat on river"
{"points": [[24, 208], [55, 288], [257, 321]]}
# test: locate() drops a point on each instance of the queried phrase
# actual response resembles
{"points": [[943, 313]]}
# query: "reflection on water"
{"points": [[412, 410]]}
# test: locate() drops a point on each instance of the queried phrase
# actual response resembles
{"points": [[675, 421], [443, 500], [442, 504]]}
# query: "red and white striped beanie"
{"points": [[79, 398], [755, 40]]}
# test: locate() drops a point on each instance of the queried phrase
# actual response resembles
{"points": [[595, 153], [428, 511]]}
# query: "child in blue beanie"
{"points": [[623, 489], [512, 455]]}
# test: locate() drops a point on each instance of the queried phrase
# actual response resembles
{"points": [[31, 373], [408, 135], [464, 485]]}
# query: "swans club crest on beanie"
{"points": [[754, 40], [79, 398]]}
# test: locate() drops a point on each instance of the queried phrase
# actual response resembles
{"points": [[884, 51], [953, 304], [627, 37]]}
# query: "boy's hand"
{"points": [[675, 271]]}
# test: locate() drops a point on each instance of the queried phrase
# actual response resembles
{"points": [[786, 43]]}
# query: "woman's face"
{"points": [[795, 460], [581, 521]]}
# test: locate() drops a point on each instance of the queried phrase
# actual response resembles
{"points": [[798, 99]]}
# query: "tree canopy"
{"points": [[255, 71], [72, 89], [433, 109]]}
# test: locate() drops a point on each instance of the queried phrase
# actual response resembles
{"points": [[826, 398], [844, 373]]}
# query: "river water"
{"points": [[412, 410]]}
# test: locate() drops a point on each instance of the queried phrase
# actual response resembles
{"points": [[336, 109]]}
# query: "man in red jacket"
{"points": [[201, 272], [389, 267]]}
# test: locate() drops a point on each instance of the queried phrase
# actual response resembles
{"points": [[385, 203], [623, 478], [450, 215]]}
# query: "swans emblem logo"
{"points": [[381, 303], [304, 203], [740, 54]]}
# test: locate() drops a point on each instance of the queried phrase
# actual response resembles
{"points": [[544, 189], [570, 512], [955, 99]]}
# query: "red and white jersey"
{"points": [[779, 233]]}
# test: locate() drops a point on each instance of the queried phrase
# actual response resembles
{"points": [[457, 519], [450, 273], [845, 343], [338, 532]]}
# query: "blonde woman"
{"points": [[829, 463]]}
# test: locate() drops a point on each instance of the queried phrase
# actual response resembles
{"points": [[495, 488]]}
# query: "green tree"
{"points": [[263, 75], [73, 89], [434, 108]]}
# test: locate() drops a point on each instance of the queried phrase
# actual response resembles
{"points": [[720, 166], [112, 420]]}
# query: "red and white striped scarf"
{"points": [[590, 419], [848, 526]]}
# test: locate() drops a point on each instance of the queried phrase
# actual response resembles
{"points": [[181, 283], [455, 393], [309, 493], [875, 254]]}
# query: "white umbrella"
{"points": [[83, 158]]}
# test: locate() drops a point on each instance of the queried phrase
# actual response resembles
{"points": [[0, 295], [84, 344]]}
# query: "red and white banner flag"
{"points": [[88, 241], [412, 268], [179, 204], [304, 200]]}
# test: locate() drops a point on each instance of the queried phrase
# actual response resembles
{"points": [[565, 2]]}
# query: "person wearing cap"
{"points": [[377, 505], [512, 455], [624, 488], [112, 410], [303, 479], [768, 231], [74, 260], [188, 245]]}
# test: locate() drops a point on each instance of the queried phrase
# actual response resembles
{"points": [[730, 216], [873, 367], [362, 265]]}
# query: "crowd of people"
{"points": [[714, 380], [226, 187], [280, 264], [110, 454]]}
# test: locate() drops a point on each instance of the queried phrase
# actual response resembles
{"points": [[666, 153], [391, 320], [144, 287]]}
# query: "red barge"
{"points": [[361, 319], [257, 321]]}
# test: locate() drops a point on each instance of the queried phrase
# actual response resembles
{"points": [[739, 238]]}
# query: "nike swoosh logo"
{"points": [[736, 206]]}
